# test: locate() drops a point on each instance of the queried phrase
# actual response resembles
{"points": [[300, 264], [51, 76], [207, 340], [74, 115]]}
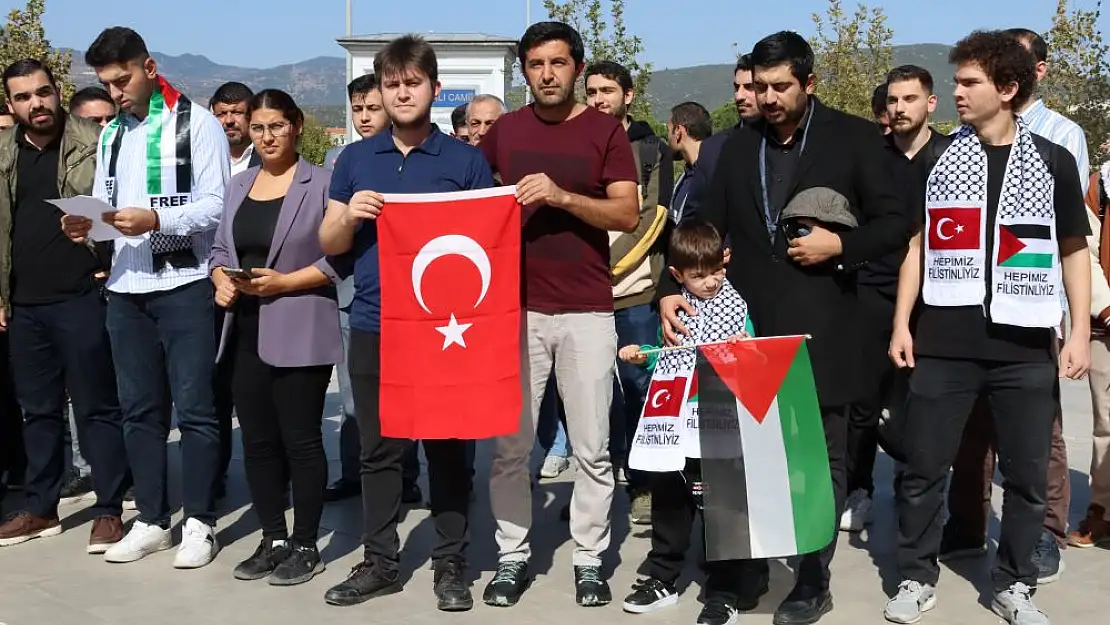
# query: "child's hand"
{"points": [[736, 338], [631, 354]]}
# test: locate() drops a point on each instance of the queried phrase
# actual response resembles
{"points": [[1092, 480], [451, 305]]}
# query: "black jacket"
{"points": [[844, 153]]}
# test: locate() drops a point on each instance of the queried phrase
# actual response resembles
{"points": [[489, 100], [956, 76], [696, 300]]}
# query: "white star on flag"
{"points": [[959, 228], [453, 333]]}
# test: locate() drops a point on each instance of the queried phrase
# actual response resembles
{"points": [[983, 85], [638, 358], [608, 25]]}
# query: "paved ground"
{"points": [[52, 581]]}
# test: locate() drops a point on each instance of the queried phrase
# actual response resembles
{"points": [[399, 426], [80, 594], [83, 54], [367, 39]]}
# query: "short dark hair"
{"points": [[407, 52], [231, 93], [743, 63], [878, 100], [26, 67], [613, 71], [904, 73], [361, 85], [117, 44], [458, 117], [696, 244], [785, 47], [694, 118], [1037, 45], [1002, 58], [277, 100], [542, 32], [90, 94]]}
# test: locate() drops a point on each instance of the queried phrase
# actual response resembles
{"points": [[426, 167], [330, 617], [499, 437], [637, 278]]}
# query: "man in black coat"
{"points": [[798, 283]]}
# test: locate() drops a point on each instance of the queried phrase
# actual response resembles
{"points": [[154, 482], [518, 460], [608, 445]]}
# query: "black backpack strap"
{"points": [[649, 154]]}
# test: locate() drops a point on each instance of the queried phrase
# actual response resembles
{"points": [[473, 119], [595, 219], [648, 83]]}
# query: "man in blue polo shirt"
{"points": [[414, 157]]}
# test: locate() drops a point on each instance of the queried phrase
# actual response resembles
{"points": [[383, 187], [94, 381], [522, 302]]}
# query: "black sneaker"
{"points": [[266, 558], [719, 609], [1046, 557], [76, 488], [303, 564], [451, 589], [342, 489], [954, 545], [590, 589], [366, 581], [507, 585], [648, 595]]}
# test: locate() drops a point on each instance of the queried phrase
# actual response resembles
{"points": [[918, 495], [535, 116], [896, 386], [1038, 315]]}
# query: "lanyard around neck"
{"points": [[772, 226]]}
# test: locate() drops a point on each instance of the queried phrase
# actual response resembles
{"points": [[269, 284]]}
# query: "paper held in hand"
{"points": [[92, 208]]}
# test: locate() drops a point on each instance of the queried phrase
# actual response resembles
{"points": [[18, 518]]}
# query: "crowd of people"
{"points": [[932, 273]]}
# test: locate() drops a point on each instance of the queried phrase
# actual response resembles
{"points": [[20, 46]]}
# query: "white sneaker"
{"points": [[913, 599], [857, 511], [139, 543], [1015, 605], [198, 545], [553, 466]]}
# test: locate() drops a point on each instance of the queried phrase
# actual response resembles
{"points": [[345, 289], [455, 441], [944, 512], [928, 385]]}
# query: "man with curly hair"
{"points": [[1003, 229]]}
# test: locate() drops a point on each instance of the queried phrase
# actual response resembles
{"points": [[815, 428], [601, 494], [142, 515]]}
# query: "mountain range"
{"points": [[319, 84]]}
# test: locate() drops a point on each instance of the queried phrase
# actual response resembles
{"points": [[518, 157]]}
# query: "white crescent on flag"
{"points": [[655, 403], [447, 245]]}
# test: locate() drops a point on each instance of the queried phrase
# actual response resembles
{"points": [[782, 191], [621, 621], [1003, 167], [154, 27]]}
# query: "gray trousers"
{"points": [[580, 348]]}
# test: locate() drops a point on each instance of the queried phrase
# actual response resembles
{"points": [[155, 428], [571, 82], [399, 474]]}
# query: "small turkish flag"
{"points": [[451, 328], [664, 397], [955, 228]]}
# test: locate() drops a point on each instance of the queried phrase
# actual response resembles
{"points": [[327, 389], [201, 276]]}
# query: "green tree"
{"points": [[23, 37], [607, 39], [1078, 80], [853, 54], [724, 117], [314, 143]]}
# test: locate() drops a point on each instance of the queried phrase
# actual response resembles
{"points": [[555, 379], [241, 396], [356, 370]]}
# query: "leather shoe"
{"points": [[803, 608]]}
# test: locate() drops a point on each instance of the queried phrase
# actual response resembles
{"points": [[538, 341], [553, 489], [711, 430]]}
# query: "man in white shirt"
{"points": [[229, 105], [163, 163]]}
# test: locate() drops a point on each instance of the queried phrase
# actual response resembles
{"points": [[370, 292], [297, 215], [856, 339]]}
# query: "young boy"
{"points": [[697, 259]]}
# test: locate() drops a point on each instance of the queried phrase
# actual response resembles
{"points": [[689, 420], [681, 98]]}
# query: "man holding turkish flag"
{"points": [[421, 363], [450, 273]]}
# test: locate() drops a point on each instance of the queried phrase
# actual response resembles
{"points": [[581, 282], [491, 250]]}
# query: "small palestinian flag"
{"points": [[774, 497], [1025, 246]]}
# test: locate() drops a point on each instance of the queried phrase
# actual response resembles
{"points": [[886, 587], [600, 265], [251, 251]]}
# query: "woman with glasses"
{"points": [[282, 332]]}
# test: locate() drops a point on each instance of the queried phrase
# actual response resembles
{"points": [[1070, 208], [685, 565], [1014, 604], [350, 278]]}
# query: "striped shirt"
{"points": [[1062, 131], [133, 263]]}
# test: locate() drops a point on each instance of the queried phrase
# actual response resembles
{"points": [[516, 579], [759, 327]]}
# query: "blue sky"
{"points": [[264, 33]]}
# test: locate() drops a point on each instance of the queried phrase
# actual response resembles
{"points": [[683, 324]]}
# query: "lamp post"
{"points": [[347, 109], [527, 23]]}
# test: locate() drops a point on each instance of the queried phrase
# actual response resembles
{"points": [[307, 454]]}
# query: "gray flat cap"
{"points": [[821, 204]]}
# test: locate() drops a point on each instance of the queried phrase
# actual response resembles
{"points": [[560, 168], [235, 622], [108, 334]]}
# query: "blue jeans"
{"points": [[551, 432], [160, 336], [62, 346], [636, 325]]}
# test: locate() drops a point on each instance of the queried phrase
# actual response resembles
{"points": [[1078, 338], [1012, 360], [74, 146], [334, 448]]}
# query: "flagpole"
{"points": [[527, 23], [671, 348], [347, 109]]}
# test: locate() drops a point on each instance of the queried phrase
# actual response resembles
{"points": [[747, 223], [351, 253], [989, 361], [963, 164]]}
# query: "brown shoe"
{"points": [[1093, 530], [106, 531], [25, 526]]}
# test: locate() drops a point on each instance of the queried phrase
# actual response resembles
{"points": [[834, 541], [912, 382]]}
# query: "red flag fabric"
{"points": [[954, 228], [451, 327]]}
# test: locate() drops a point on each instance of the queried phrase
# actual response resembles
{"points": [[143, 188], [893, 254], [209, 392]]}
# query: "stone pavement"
{"points": [[52, 581]]}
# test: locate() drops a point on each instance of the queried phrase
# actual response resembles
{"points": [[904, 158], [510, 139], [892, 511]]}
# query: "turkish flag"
{"points": [[954, 228], [451, 326], [664, 397]]}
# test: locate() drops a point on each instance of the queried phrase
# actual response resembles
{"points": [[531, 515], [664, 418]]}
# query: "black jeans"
{"points": [[813, 570], [158, 336], [280, 416], [876, 312], [448, 477], [672, 522], [55, 347], [12, 459], [1023, 400]]}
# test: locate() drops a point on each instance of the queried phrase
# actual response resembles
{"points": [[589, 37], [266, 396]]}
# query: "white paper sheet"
{"points": [[87, 206]]}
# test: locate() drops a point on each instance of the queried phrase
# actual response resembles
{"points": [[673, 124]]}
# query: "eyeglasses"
{"points": [[277, 129]]}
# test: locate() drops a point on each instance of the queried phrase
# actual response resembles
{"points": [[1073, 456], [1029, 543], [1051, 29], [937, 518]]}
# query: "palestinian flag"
{"points": [[774, 497], [1025, 246]]}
